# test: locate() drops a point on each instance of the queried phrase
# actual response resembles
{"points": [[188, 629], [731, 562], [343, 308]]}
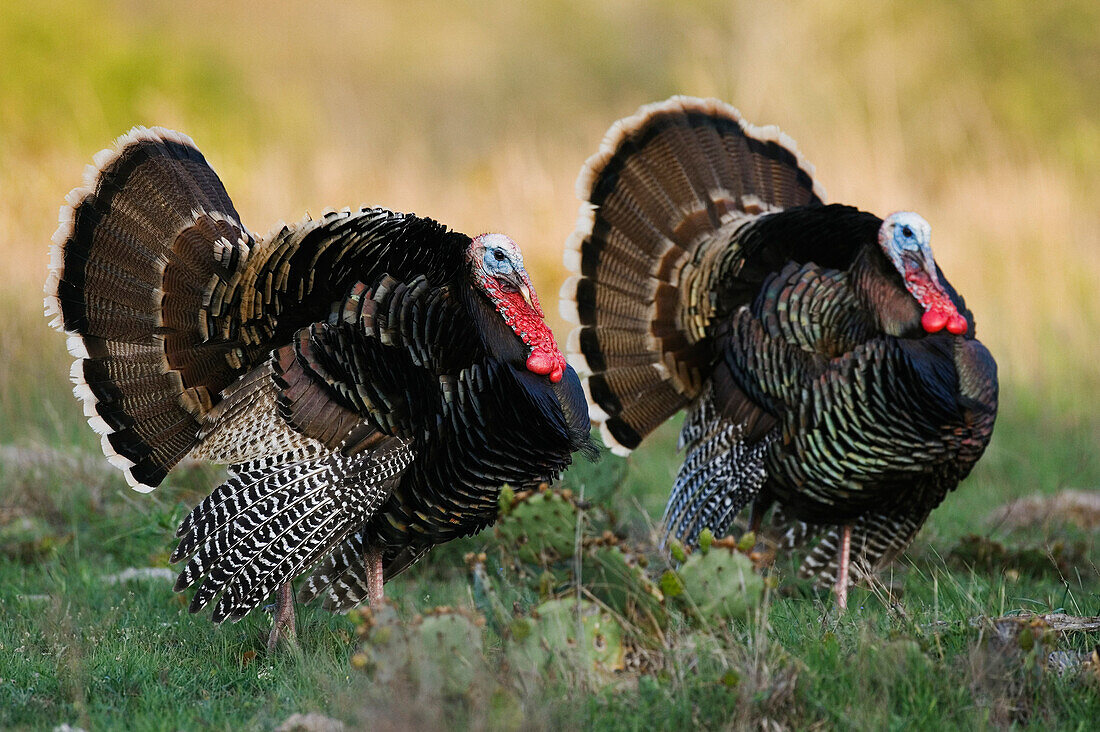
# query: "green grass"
{"points": [[75, 649]]}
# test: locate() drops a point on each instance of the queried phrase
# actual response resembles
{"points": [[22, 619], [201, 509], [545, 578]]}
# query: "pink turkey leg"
{"points": [[374, 576], [842, 570], [283, 619]]}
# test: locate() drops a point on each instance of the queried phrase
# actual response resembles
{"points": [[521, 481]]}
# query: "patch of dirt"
{"points": [[1078, 507], [987, 555], [155, 574], [312, 722]]}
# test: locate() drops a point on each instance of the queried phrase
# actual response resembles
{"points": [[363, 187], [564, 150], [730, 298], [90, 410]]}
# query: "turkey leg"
{"points": [[283, 618], [374, 576], [842, 568]]}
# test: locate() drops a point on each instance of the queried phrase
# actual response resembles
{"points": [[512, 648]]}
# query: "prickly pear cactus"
{"points": [[451, 643], [566, 636], [538, 527], [622, 585], [384, 651], [440, 650], [719, 585]]}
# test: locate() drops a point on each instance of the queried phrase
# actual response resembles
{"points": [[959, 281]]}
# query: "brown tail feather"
{"points": [[644, 412], [662, 198], [130, 273]]}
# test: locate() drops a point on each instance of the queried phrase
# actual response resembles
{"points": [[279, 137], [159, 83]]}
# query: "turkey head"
{"points": [[497, 271], [905, 237]]}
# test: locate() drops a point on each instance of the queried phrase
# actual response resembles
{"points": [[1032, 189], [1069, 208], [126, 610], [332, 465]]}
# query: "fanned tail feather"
{"points": [[130, 271], [662, 197]]}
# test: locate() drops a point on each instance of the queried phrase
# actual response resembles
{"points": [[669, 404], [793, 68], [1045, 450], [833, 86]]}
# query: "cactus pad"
{"points": [[721, 584], [567, 635], [539, 527]]}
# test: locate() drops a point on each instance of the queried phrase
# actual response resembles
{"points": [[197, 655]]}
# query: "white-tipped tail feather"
{"points": [[658, 198], [116, 235]]}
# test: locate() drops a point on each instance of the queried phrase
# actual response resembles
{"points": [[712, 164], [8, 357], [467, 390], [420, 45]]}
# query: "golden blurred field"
{"points": [[984, 119]]}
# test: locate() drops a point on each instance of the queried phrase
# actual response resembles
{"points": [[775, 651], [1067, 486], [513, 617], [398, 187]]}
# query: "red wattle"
{"points": [[525, 319], [956, 324], [933, 321], [547, 362], [538, 363]]}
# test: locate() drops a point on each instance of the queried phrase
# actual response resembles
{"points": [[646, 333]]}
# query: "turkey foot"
{"points": [[283, 617]]}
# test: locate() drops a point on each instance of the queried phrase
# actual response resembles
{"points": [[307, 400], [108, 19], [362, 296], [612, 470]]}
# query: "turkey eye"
{"points": [[499, 255], [907, 232]]}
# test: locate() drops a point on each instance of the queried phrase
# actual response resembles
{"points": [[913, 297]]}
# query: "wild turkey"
{"points": [[372, 377], [828, 368]]}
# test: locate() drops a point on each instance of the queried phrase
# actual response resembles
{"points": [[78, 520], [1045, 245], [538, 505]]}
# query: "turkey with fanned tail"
{"points": [[830, 372], [371, 377]]}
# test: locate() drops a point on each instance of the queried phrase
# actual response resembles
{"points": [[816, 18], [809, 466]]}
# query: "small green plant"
{"points": [[29, 539]]}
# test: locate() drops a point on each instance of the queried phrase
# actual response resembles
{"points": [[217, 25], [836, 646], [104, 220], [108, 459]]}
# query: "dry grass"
{"points": [[481, 114]]}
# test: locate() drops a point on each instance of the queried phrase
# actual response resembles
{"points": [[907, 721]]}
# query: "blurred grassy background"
{"points": [[480, 114]]}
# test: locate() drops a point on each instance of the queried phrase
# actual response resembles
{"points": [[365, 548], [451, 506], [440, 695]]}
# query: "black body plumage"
{"points": [[360, 384], [712, 276]]}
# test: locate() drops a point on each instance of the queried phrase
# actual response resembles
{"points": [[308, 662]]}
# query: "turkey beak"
{"points": [[921, 269], [522, 285], [917, 265], [526, 292], [517, 282]]}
